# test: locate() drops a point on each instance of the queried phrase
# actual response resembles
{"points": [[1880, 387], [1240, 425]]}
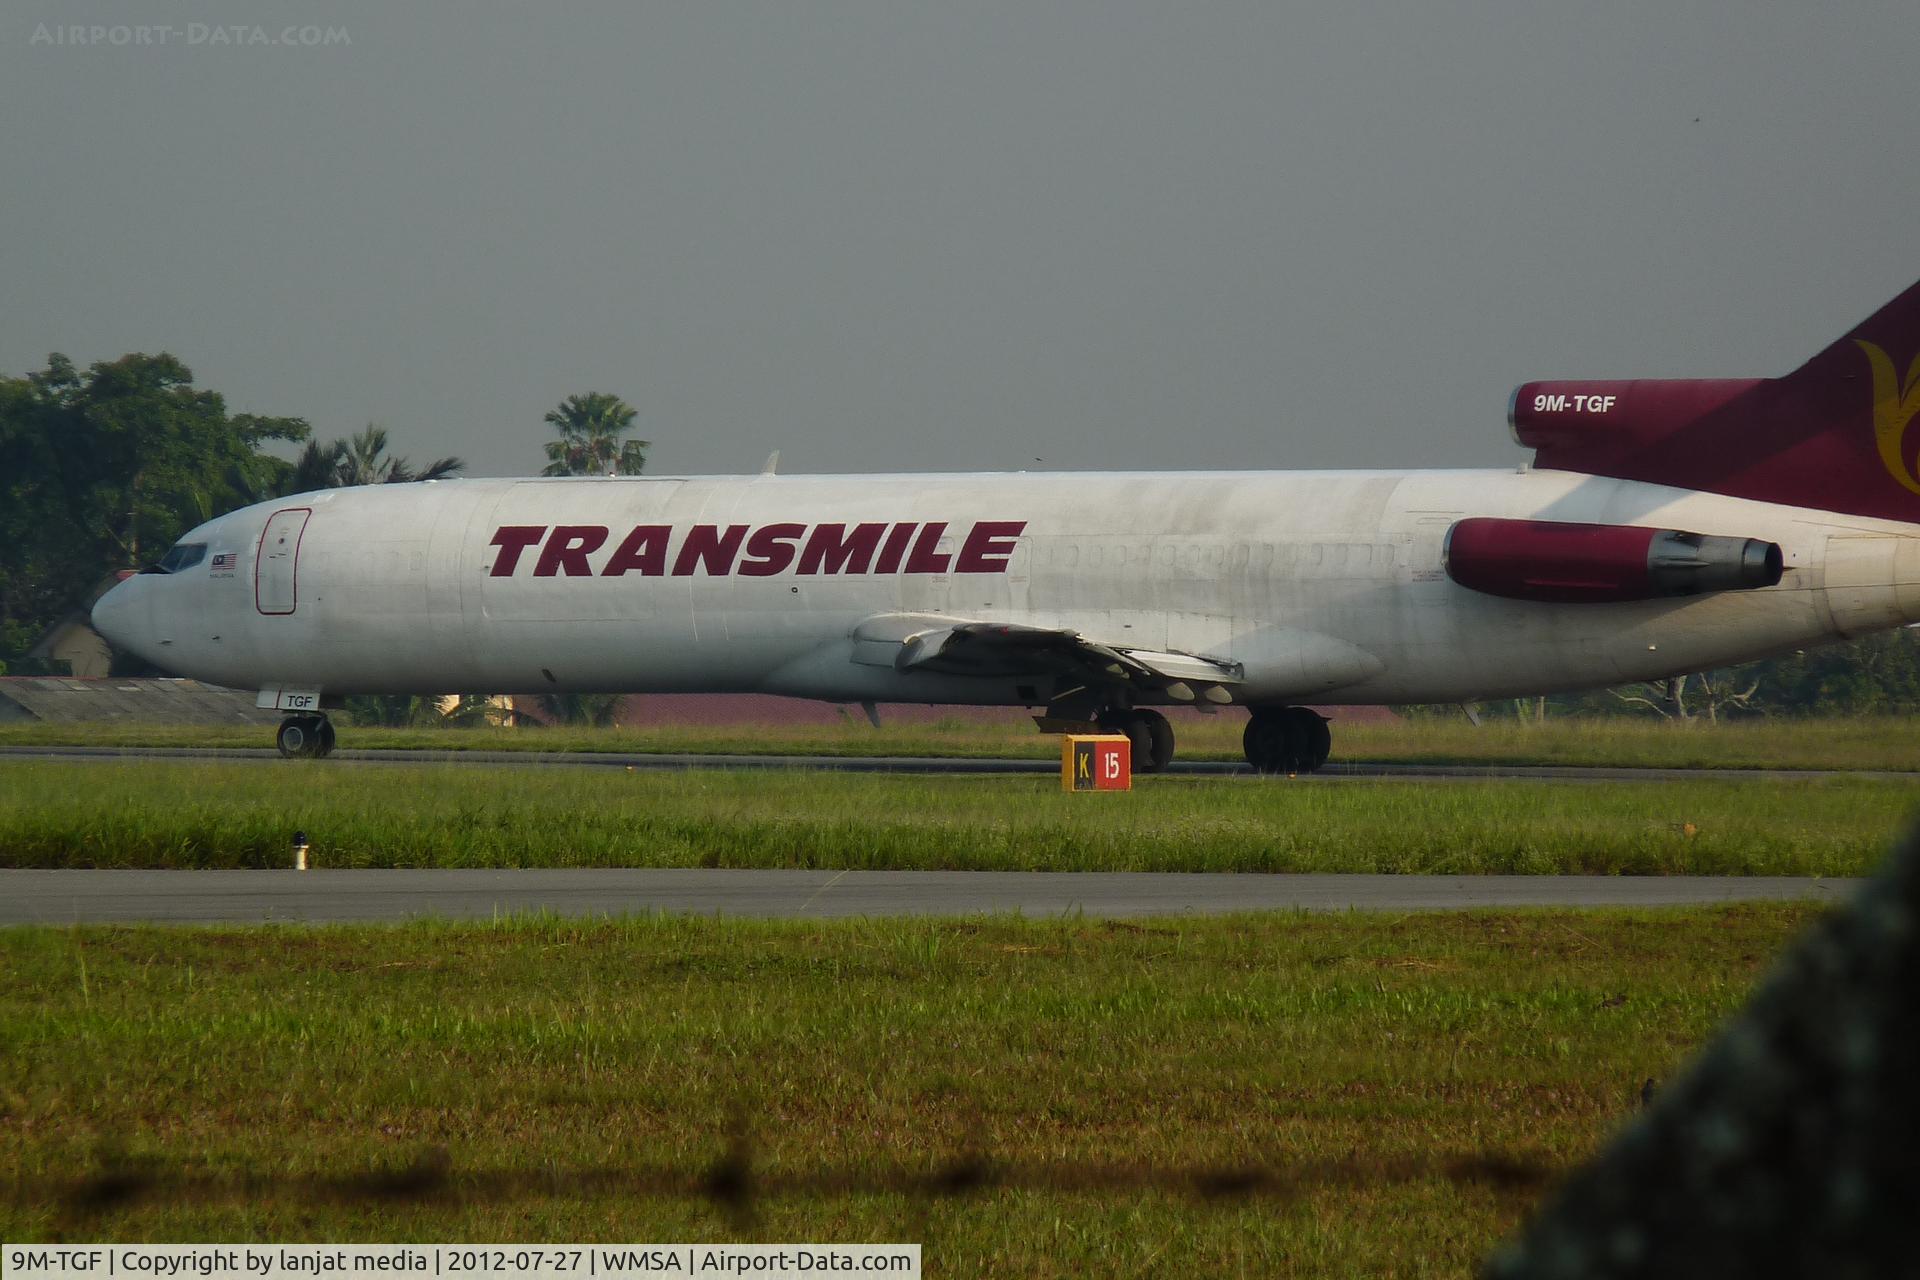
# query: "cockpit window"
{"points": [[184, 555]]}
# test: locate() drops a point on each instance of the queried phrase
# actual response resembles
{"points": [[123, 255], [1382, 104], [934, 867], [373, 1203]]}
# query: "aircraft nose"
{"points": [[114, 615]]}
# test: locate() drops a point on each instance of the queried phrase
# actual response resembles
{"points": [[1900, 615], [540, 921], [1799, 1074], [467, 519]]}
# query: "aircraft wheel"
{"points": [[1266, 743], [300, 737], [326, 738], [1160, 735], [1319, 738], [1286, 740], [1138, 734]]}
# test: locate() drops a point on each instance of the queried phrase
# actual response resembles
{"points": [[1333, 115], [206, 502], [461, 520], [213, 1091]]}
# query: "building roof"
{"points": [[80, 615], [64, 700]]}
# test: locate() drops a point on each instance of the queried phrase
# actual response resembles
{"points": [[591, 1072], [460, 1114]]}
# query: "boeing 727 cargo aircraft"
{"points": [[1662, 527]]}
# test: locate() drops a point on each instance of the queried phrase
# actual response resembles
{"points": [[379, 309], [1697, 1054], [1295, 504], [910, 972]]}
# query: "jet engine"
{"points": [[1565, 563]]}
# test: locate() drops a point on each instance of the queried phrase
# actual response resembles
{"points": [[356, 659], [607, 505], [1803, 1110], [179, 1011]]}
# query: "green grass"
{"points": [[194, 814], [1098, 1067], [1865, 743]]}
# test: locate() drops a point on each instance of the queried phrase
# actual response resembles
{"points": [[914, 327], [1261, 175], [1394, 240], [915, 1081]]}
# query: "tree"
{"points": [[424, 711], [590, 428], [361, 458], [136, 440], [1716, 691], [103, 469], [1877, 674], [585, 710]]}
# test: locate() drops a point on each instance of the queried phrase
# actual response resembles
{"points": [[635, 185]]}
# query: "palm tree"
{"points": [[362, 458], [425, 711], [592, 710], [393, 711], [317, 467], [590, 428], [365, 460]]}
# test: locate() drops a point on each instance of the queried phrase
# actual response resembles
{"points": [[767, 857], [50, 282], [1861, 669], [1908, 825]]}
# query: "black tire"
{"points": [[326, 739], [1319, 739], [299, 737], [1267, 743], [1129, 725], [1160, 735], [1287, 740], [1293, 724]]}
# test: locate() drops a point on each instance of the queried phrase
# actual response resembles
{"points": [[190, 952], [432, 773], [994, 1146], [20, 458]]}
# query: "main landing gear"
{"points": [[1150, 733], [1287, 740], [305, 737]]}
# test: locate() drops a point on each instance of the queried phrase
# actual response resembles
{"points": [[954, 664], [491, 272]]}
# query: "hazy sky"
{"points": [[905, 236]]}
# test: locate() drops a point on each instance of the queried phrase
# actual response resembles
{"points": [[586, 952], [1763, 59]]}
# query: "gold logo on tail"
{"points": [[1895, 404]]}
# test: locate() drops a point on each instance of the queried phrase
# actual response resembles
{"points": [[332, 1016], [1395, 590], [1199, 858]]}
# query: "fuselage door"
{"points": [[278, 560]]}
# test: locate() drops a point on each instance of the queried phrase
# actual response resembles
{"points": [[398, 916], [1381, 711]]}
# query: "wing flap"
{"points": [[1188, 666], [967, 646]]}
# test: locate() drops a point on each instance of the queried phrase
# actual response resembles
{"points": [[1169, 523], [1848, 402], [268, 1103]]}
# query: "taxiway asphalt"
{"points": [[338, 896], [1338, 771]]}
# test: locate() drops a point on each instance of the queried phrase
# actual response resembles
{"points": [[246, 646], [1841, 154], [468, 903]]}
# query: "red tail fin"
{"points": [[1832, 434]]}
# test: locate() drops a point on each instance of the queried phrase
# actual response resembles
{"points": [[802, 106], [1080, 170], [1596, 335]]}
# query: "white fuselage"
{"points": [[1325, 586]]}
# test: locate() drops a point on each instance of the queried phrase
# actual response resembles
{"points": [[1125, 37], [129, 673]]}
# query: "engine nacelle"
{"points": [[1546, 415], [1564, 563]]}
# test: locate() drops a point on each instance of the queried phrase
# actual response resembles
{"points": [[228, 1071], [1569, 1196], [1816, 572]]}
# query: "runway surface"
{"points": [[197, 897], [1334, 772]]}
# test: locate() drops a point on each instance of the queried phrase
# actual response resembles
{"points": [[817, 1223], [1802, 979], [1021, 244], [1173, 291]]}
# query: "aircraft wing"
{"points": [[965, 646]]}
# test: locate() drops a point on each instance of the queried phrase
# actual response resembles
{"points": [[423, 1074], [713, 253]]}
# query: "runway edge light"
{"points": [[1096, 762]]}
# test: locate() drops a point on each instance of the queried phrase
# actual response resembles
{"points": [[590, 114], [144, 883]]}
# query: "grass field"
{"points": [[1864, 743], [193, 814], [1366, 1095]]}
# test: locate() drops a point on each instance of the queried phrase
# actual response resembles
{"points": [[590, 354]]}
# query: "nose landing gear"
{"points": [[305, 737], [1287, 740]]}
